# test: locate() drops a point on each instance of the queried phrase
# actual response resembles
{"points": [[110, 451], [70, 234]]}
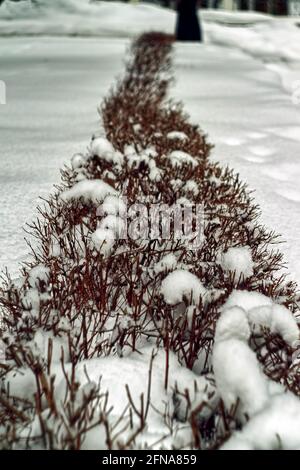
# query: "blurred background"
{"points": [[275, 7]]}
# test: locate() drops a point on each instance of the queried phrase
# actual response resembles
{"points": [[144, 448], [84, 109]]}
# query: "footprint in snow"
{"points": [[261, 151]]}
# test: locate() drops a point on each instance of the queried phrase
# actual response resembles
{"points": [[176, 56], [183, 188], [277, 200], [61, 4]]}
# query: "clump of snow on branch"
{"points": [[239, 377]]}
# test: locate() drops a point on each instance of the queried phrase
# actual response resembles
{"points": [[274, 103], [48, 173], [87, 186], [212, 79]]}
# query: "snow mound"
{"points": [[233, 323], [244, 388], [238, 377], [275, 40]]}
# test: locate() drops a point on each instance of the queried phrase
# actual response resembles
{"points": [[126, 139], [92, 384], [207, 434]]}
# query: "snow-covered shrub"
{"points": [[116, 342]]}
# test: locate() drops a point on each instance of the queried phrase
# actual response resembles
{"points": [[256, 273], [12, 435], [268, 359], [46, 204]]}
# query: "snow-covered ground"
{"points": [[243, 88], [237, 86]]}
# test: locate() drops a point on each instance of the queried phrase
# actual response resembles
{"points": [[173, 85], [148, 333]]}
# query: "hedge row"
{"points": [[89, 297]]}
